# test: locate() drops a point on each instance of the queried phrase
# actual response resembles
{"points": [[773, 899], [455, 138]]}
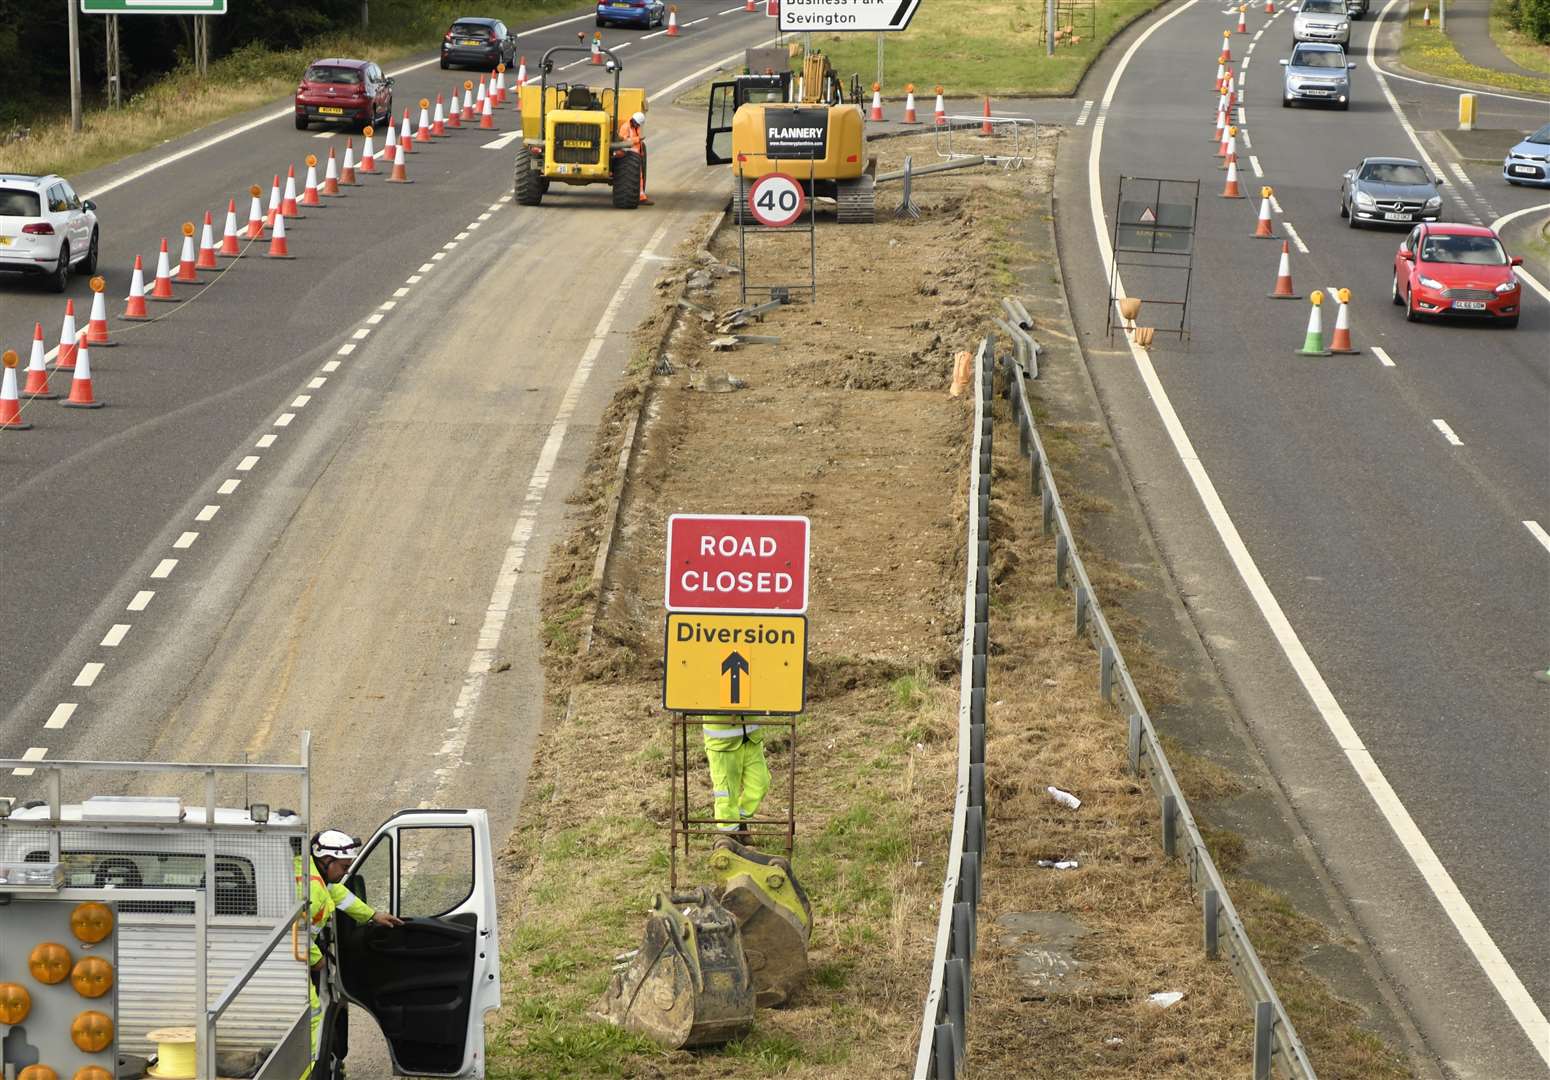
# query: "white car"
{"points": [[1322, 20], [46, 228]]}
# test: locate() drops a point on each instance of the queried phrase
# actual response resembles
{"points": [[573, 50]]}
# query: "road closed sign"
{"points": [[872, 16], [737, 562], [735, 663], [776, 200]]}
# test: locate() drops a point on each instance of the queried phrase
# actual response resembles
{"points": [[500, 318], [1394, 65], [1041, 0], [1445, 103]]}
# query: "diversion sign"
{"points": [[796, 133], [872, 16]]}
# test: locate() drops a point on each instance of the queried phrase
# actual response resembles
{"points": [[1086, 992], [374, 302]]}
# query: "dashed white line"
{"points": [[1087, 109], [439, 256], [1538, 533], [142, 598], [448, 246], [164, 568], [485, 216], [1258, 34], [266, 441], [425, 268], [32, 753], [472, 225], [317, 383], [460, 236], [346, 349], [1383, 357], [89, 673], [1290, 231], [208, 512], [1275, 205], [301, 401], [283, 420], [332, 365], [402, 291], [61, 715], [1242, 116], [1247, 142], [186, 541], [1245, 63], [387, 305], [115, 635], [360, 335], [1447, 432], [228, 486], [1254, 162], [247, 463], [374, 318]]}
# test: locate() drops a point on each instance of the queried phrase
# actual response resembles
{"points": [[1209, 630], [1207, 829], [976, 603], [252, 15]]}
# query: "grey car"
{"points": [[1389, 191], [1322, 20], [1318, 73]]}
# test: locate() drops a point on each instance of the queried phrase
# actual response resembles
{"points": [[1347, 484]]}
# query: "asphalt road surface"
{"points": [[1393, 503]]}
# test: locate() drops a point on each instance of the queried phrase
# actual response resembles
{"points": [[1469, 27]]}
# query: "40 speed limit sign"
{"points": [[776, 200]]}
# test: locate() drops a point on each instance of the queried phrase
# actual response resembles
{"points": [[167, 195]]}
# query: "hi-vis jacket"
{"points": [[323, 900]]}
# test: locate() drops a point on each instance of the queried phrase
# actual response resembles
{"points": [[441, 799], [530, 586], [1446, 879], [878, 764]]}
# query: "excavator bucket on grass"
{"points": [[773, 916]]}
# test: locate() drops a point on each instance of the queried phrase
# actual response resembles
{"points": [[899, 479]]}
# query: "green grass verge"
{"points": [[252, 76], [1431, 52], [1515, 46]]}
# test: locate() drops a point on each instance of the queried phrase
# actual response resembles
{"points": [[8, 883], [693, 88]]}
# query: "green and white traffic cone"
{"points": [[1313, 343]]}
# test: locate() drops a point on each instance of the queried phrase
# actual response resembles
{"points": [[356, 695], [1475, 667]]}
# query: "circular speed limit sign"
{"points": [[776, 200]]}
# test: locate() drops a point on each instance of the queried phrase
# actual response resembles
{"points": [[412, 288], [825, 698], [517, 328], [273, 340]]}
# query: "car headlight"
{"points": [[1434, 202], [1431, 283], [1508, 286], [1365, 201], [1343, 26]]}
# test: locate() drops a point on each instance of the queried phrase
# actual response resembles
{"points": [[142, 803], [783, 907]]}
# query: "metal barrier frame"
{"points": [[1023, 131]]}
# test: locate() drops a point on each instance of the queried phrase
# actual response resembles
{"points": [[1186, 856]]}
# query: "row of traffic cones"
{"points": [[911, 116]]}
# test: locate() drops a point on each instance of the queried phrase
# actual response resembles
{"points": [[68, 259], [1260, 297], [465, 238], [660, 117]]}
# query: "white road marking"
{"points": [[472, 225], [1258, 34], [1245, 63], [346, 349], [413, 279], [388, 305], [1383, 357], [1447, 432], [439, 256], [485, 216], [265, 441], [61, 715], [502, 142], [142, 598], [32, 753], [1254, 162], [1242, 117], [332, 365], [425, 268], [448, 246], [283, 420], [360, 335], [1248, 143], [1538, 533], [1474, 935], [1292, 232], [301, 401], [374, 318], [455, 740], [324, 135], [1275, 205], [247, 463], [115, 635], [461, 236], [186, 541], [228, 486], [208, 512], [729, 10], [1087, 109], [315, 384], [164, 568], [1523, 275], [89, 673], [401, 291]]}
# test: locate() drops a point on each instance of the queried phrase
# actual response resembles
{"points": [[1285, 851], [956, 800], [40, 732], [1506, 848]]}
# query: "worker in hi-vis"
{"points": [[739, 775], [332, 853]]}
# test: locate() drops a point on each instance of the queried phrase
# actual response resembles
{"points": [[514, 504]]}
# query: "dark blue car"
{"points": [[643, 13]]}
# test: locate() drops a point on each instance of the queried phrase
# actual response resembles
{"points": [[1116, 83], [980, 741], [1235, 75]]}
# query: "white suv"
{"points": [[46, 228]]}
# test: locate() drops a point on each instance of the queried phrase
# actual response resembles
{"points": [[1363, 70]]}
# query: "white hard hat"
{"points": [[335, 845], [639, 118]]}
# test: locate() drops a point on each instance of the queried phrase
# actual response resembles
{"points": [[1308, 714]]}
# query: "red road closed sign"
{"points": [[737, 562]]}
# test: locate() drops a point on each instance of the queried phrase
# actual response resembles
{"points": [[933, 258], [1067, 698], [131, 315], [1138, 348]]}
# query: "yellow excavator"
{"points": [[800, 124]]}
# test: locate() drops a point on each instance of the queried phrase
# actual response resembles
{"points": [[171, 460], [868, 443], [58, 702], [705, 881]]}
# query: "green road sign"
{"points": [[153, 7]]}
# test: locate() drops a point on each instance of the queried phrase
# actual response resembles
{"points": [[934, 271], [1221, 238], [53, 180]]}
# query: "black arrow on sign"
{"points": [[737, 667], [901, 17]]}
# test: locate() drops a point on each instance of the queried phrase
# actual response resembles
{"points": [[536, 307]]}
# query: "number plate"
{"points": [[1318, 93], [329, 110], [1396, 217], [1523, 170], [1469, 305], [5, 241], [470, 41]]}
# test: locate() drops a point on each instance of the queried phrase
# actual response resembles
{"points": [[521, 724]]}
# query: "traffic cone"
{"points": [[1262, 227], [288, 204], [1226, 46], [877, 102], [134, 306], [751, 5], [772, 8], [229, 248], [985, 128], [454, 112], [64, 359], [468, 101], [80, 384], [10, 403], [188, 273], [1270, 7], [368, 155], [309, 192], [278, 248], [439, 121], [1231, 157], [405, 139], [1283, 288], [206, 258], [1341, 342], [422, 130], [1221, 147], [499, 85], [400, 174], [941, 109], [347, 172], [255, 227], [161, 288], [1221, 74], [97, 324], [37, 374], [1426, 19], [1221, 125], [909, 104], [330, 184], [1230, 190], [597, 48], [486, 117], [672, 21], [521, 77], [1313, 341], [1243, 18]]}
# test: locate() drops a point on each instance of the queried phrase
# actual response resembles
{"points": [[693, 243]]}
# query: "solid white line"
{"points": [[1447, 432], [164, 569], [186, 541], [207, 513], [1523, 275], [115, 635], [228, 486], [142, 598], [1383, 357], [1464, 89], [301, 401], [1538, 533], [455, 737], [32, 753], [283, 420], [247, 463], [88, 675], [729, 10], [61, 715], [1292, 232], [1254, 161], [1474, 934]]}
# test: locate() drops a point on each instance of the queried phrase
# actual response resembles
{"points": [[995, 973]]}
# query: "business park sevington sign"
{"points": [[875, 16]]}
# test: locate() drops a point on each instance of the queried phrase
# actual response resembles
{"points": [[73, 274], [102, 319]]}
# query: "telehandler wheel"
{"points": [[527, 187], [627, 181]]}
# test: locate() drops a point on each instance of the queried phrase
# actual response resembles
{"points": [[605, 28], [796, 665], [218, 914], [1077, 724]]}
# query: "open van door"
{"points": [[429, 982], [718, 123]]}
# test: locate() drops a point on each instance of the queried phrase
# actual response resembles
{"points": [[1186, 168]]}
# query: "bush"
{"points": [[1531, 18]]}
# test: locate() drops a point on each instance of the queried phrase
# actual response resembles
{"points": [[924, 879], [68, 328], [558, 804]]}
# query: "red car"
{"points": [[350, 92], [1456, 270]]}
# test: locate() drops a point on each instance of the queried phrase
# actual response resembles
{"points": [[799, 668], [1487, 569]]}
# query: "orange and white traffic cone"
{"points": [[274, 203], [1426, 19], [1262, 228], [330, 185], [751, 6], [80, 383], [255, 227], [278, 248], [597, 49], [439, 121], [400, 173], [486, 117], [1313, 340], [10, 402], [368, 154], [134, 305], [64, 359], [1220, 134], [1283, 288], [498, 85], [672, 20], [985, 128], [1221, 148], [37, 373], [161, 288], [454, 112], [1340, 342], [941, 109], [877, 102], [521, 77], [772, 8], [289, 206], [1243, 18], [1221, 75], [206, 257], [468, 101], [229, 248], [1270, 7], [97, 324], [1226, 46], [405, 139], [347, 171], [1231, 157], [309, 191], [422, 130], [909, 104], [1230, 190], [188, 272]]}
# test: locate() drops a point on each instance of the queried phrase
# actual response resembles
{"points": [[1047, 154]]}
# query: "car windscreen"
{"points": [[1468, 250], [1318, 58], [471, 30], [1388, 172], [1540, 136], [15, 202], [1323, 7], [337, 76]]}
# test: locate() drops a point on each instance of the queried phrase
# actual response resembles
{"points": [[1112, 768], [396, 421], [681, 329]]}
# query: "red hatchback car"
{"points": [[350, 92], [1456, 270]]}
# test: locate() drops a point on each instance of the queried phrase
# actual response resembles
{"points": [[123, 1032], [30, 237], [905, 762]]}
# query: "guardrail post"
{"points": [[1106, 673], [981, 608], [1081, 610], [1133, 743], [976, 745], [978, 676], [944, 1042], [981, 639], [1049, 508], [956, 982], [963, 912], [1036, 473], [1264, 1038], [1170, 825], [977, 706], [974, 830], [1209, 909], [1062, 556], [976, 787]]}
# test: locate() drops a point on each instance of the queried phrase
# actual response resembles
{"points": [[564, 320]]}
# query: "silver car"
{"points": [[1322, 20], [1389, 191], [1317, 72]]}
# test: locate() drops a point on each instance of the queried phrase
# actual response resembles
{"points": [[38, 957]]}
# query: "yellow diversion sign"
{"points": [[735, 663]]}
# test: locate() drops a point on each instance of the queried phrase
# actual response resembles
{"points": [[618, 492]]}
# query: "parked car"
{"points": [[1389, 190], [478, 42], [1319, 73], [643, 13], [350, 92], [1456, 270], [46, 228], [1322, 20], [1356, 8], [1529, 161]]}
